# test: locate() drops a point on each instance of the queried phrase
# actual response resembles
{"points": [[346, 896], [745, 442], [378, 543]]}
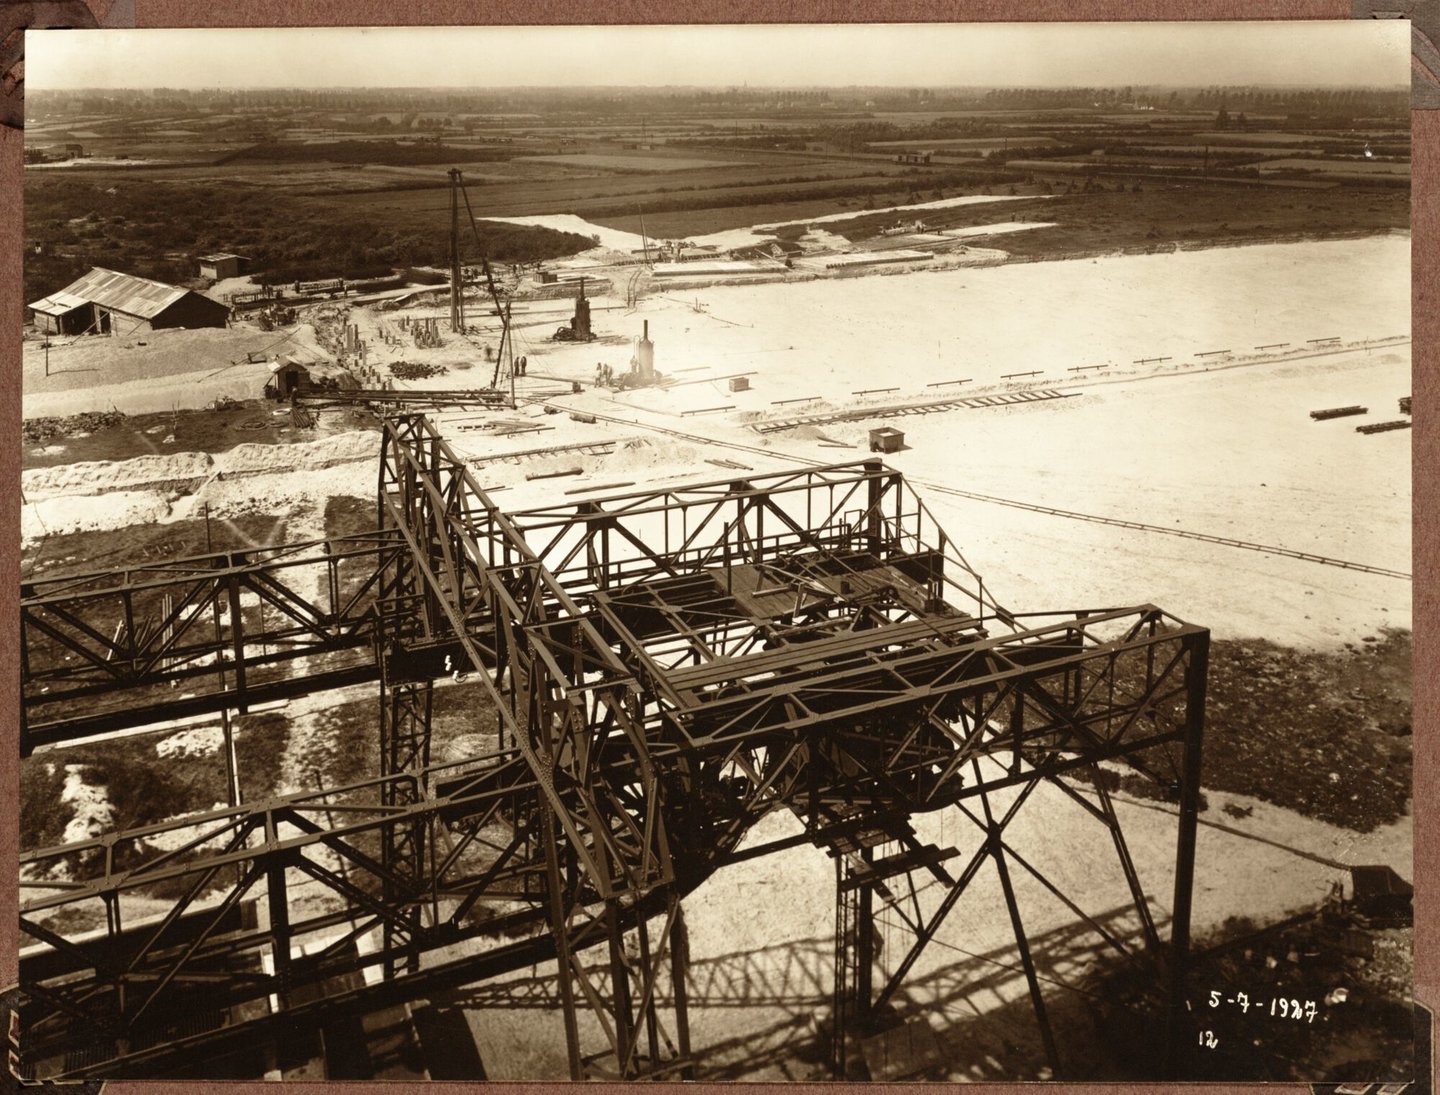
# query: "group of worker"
{"points": [[604, 375]]}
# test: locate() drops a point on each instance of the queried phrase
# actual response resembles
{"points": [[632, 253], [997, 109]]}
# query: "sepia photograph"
{"points": [[840, 552]]}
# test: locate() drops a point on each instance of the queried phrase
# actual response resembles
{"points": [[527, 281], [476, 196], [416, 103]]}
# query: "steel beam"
{"points": [[100, 652], [666, 667]]}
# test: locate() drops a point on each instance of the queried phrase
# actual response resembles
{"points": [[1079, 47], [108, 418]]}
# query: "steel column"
{"points": [[1177, 1027]]}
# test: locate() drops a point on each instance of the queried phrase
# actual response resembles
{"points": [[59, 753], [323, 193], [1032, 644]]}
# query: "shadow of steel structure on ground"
{"points": [[665, 667]]}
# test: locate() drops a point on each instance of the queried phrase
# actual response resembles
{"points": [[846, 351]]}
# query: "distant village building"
{"points": [[74, 149], [914, 157], [222, 265], [107, 302]]}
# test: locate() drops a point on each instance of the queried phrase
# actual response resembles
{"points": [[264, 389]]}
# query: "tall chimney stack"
{"points": [[645, 356]]}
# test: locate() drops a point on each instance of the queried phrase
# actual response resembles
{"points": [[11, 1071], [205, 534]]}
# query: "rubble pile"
{"points": [[40, 430], [415, 370]]}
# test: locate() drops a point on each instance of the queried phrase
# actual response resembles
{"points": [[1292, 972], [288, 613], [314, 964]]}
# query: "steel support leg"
{"points": [[405, 712], [846, 913], [854, 958], [1176, 1025], [279, 909], [865, 950], [621, 1002], [679, 964], [559, 926], [652, 1023], [996, 844]]}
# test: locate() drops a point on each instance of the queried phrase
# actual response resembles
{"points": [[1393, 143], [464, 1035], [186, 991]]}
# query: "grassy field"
{"points": [[714, 189], [99, 219], [1115, 219], [631, 165], [1194, 214], [680, 223], [334, 191], [1337, 167]]}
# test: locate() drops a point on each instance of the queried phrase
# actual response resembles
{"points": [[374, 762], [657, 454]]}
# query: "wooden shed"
{"points": [[62, 313], [124, 304], [222, 265], [288, 378]]}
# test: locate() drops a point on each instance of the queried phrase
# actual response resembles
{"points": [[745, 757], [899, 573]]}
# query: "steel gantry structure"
{"points": [[658, 670]]}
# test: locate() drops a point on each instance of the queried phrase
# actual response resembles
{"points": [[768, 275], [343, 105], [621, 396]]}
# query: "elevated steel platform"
{"points": [[661, 668]]}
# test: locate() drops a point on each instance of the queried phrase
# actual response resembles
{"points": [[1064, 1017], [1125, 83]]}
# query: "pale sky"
{"points": [[1341, 52]]}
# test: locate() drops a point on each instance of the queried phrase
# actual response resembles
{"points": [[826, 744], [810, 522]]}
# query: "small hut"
{"points": [[288, 378]]}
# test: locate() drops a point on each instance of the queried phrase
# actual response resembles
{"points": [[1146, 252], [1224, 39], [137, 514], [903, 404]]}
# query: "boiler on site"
{"points": [[644, 361], [578, 329]]}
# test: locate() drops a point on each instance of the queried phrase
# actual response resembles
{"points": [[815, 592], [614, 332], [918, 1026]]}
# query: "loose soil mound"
{"points": [[173, 471]]}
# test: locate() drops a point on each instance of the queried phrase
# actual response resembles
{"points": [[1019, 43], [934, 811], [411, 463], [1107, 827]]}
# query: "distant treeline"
{"points": [[1329, 102], [388, 153], [579, 103], [1064, 140], [1230, 173], [919, 187], [148, 228]]}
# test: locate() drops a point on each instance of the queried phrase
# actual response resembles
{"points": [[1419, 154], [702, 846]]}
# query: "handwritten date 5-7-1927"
{"points": [[1280, 1007]]}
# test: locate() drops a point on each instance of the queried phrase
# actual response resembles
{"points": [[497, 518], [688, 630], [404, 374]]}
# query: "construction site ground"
{"points": [[1198, 423]]}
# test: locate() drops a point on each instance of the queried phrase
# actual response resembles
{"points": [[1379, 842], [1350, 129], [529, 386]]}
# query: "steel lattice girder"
{"points": [[623, 778], [106, 986], [100, 652], [478, 570]]}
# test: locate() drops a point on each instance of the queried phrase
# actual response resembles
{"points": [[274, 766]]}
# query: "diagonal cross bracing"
{"points": [[667, 668], [104, 651]]}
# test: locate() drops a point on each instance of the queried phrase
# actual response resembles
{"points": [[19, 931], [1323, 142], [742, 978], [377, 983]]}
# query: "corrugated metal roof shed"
{"points": [[218, 256], [125, 293], [57, 304]]}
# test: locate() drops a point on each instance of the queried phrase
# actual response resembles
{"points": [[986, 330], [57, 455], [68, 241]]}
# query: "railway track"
{"points": [[896, 410], [1139, 526]]}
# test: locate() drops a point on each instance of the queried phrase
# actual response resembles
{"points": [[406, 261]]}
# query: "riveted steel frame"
{"points": [[109, 650], [667, 666]]}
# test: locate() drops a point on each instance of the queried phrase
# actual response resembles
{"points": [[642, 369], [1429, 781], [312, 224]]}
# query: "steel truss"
{"points": [[109, 651], [666, 667]]}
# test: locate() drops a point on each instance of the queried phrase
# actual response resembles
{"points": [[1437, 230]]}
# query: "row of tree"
{"points": [[553, 102], [146, 229], [1377, 102]]}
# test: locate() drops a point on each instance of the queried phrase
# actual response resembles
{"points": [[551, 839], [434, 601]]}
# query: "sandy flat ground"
{"points": [[619, 240], [154, 370], [830, 338], [1229, 452], [1232, 454]]}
